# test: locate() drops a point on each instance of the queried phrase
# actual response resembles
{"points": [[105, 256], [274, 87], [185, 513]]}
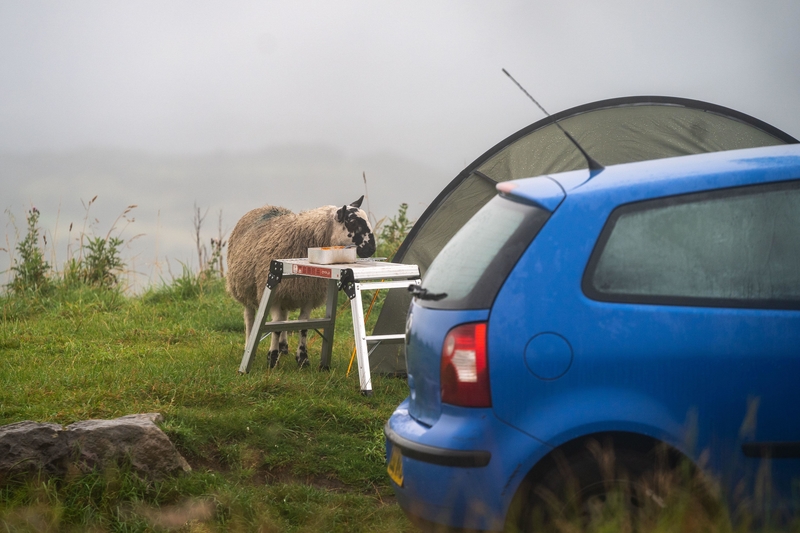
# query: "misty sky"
{"points": [[415, 80]]}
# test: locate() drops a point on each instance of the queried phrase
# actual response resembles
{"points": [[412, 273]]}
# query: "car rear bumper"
{"points": [[437, 456], [463, 471]]}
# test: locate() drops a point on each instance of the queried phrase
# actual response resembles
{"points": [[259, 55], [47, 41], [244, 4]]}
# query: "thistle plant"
{"points": [[394, 232], [30, 270], [101, 261]]}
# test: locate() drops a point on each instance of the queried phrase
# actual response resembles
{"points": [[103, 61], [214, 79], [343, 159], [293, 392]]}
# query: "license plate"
{"points": [[395, 467]]}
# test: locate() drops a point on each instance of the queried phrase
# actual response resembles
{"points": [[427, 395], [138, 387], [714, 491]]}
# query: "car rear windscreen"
{"points": [[472, 267]]}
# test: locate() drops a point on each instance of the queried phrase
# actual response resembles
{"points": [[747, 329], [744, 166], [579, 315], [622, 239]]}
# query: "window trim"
{"points": [[589, 290]]}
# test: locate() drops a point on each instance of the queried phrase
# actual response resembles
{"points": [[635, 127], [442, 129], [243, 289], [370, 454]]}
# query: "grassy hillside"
{"points": [[281, 450]]}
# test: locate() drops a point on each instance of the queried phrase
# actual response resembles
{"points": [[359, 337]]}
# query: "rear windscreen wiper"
{"points": [[425, 294]]}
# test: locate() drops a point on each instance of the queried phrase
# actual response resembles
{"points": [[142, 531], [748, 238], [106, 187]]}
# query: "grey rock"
{"points": [[30, 447]]}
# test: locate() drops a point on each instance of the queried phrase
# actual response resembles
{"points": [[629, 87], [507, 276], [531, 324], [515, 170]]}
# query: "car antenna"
{"points": [[593, 165]]}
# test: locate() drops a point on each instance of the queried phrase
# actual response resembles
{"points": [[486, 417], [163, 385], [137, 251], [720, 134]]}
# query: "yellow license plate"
{"points": [[395, 467]]}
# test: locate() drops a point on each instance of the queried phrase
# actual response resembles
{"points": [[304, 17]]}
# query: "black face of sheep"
{"points": [[272, 232], [357, 228]]}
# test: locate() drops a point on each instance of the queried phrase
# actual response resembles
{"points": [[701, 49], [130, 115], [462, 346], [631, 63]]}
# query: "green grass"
{"points": [[281, 450], [285, 450]]}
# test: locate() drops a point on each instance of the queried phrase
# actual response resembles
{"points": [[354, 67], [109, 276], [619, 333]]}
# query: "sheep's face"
{"points": [[355, 228]]}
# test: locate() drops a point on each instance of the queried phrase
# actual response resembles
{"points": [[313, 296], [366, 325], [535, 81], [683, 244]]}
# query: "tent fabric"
{"points": [[613, 131]]}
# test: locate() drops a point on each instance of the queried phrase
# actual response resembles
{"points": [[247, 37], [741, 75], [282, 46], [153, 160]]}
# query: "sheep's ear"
{"points": [[357, 203], [341, 214]]}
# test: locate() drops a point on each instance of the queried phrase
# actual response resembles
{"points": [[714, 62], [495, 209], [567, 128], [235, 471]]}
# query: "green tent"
{"points": [[619, 130]]}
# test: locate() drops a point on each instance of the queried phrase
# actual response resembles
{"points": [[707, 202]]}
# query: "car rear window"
{"points": [[471, 268], [732, 248]]}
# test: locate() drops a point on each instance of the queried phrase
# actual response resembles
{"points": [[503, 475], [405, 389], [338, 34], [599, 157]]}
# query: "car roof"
{"points": [[630, 182]]}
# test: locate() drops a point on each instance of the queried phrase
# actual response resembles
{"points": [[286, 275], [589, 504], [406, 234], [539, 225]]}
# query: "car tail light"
{"points": [[464, 370]]}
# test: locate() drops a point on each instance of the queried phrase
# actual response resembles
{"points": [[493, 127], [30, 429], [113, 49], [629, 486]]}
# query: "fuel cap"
{"points": [[548, 355]]}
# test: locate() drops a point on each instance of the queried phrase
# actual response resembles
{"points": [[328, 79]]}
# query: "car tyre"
{"points": [[625, 489]]}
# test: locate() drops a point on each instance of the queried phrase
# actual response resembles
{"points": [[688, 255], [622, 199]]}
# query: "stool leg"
{"points": [[332, 302], [255, 332], [360, 331]]}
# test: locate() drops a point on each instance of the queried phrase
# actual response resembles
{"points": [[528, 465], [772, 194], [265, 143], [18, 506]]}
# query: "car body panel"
{"points": [[674, 339]]}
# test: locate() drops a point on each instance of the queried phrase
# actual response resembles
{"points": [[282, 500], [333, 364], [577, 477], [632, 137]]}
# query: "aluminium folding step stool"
{"points": [[352, 278]]}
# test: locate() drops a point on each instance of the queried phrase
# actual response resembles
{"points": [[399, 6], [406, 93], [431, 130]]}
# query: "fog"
{"points": [[232, 105]]}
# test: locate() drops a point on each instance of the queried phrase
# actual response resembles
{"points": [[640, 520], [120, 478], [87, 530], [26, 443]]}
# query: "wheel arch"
{"points": [[620, 441]]}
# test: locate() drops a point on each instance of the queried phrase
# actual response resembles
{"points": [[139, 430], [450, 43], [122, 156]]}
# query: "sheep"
{"points": [[272, 232]]}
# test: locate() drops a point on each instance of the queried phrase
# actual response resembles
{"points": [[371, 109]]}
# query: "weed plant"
{"points": [[392, 232], [31, 270], [98, 263], [102, 261]]}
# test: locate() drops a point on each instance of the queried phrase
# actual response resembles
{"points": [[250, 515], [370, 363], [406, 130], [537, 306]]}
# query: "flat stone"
{"points": [[29, 447]]}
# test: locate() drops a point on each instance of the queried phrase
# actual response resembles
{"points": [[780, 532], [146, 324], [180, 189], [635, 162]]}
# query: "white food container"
{"points": [[330, 255]]}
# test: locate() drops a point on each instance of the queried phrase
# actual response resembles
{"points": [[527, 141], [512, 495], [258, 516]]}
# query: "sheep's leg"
{"points": [[302, 352], [277, 344], [283, 344], [249, 318]]}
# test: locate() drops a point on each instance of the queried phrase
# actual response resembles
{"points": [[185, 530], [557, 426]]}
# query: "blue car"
{"points": [[588, 333]]}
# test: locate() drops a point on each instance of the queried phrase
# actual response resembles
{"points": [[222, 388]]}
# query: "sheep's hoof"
{"points": [[283, 347], [273, 358], [302, 360]]}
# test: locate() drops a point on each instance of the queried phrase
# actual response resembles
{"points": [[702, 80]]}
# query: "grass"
{"points": [[281, 450], [285, 450]]}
